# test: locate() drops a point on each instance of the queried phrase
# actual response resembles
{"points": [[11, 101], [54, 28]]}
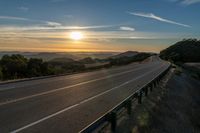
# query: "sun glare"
{"points": [[76, 35]]}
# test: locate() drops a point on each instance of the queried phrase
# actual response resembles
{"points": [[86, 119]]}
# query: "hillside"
{"points": [[123, 60], [63, 60], [17, 66], [47, 56], [183, 51], [125, 54], [87, 60]]}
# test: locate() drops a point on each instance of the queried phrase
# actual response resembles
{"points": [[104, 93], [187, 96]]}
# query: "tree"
{"points": [[187, 50], [14, 66], [1, 74], [34, 67]]}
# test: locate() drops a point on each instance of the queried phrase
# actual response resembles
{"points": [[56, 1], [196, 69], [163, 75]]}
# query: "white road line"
{"points": [[63, 88], [8, 88], [82, 102]]}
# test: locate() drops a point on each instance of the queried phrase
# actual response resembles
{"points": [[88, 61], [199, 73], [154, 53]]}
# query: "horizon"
{"points": [[96, 26], [122, 51]]}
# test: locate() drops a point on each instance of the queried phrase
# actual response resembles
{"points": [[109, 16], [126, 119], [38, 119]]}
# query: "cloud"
{"points": [[23, 8], [126, 28], [53, 24], [14, 18], [47, 23], [189, 2], [152, 16], [186, 2]]}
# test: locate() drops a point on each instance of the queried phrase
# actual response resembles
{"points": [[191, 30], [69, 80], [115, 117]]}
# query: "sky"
{"points": [[106, 25]]}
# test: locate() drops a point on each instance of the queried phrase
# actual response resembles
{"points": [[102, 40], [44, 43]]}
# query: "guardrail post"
{"points": [[155, 83], [151, 87], [140, 97], [158, 81], [113, 120], [129, 107], [161, 77], [146, 91]]}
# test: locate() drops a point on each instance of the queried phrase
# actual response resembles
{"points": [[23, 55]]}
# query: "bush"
{"points": [[17, 66], [35, 67], [178, 71], [1, 74], [14, 66]]}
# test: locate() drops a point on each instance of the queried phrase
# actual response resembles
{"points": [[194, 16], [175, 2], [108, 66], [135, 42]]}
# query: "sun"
{"points": [[75, 35]]}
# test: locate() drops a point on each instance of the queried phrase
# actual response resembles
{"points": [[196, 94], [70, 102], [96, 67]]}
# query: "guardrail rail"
{"points": [[111, 115]]}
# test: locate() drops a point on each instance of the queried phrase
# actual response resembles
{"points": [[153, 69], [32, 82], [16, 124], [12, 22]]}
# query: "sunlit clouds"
{"points": [[126, 28], [76, 35], [70, 25], [64, 38]]}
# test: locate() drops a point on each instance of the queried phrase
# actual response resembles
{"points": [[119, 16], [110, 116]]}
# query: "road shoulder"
{"points": [[172, 107]]}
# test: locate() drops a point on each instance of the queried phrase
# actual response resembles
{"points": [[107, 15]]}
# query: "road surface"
{"points": [[67, 104]]}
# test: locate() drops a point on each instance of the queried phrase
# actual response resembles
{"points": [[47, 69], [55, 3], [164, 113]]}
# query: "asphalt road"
{"points": [[67, 104]]}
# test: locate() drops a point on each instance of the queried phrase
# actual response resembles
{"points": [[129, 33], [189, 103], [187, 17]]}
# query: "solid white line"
{"points": [[84, 101], [8, 88], [63, 88]]}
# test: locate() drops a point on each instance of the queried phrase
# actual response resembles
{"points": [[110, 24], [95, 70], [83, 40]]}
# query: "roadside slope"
{"points": [[173, 108]]}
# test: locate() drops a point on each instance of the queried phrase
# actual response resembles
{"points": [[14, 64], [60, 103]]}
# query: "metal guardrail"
{"points": [[111, 115]]}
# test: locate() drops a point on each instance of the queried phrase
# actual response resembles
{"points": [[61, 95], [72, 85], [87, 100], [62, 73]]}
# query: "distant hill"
{"points": [[15, 66], [123, 60], [183, 51], [63, 65], [63, 60], [47, 56], [125, 54], [87, 60]]}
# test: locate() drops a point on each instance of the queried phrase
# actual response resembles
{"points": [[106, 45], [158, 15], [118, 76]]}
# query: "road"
{"points": [[69, 103]]}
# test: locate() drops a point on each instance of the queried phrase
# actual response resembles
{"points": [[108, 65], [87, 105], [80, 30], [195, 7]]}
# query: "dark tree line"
{"points": [[128, 60], [17, 66], [187, 50]]}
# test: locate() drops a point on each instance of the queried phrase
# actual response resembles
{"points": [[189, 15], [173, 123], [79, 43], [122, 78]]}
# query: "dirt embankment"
{"points": [[174, 107]]}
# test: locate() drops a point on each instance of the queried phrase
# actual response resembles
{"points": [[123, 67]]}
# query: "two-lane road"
{"points": [[69, 103]]}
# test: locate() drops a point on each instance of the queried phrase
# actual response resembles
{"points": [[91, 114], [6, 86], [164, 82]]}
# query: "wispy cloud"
{"points": [[152, 16], [22, 8], [14, 18], [53, 24], [125, 28], [186, 2], [47, 23], [189, 2]]}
